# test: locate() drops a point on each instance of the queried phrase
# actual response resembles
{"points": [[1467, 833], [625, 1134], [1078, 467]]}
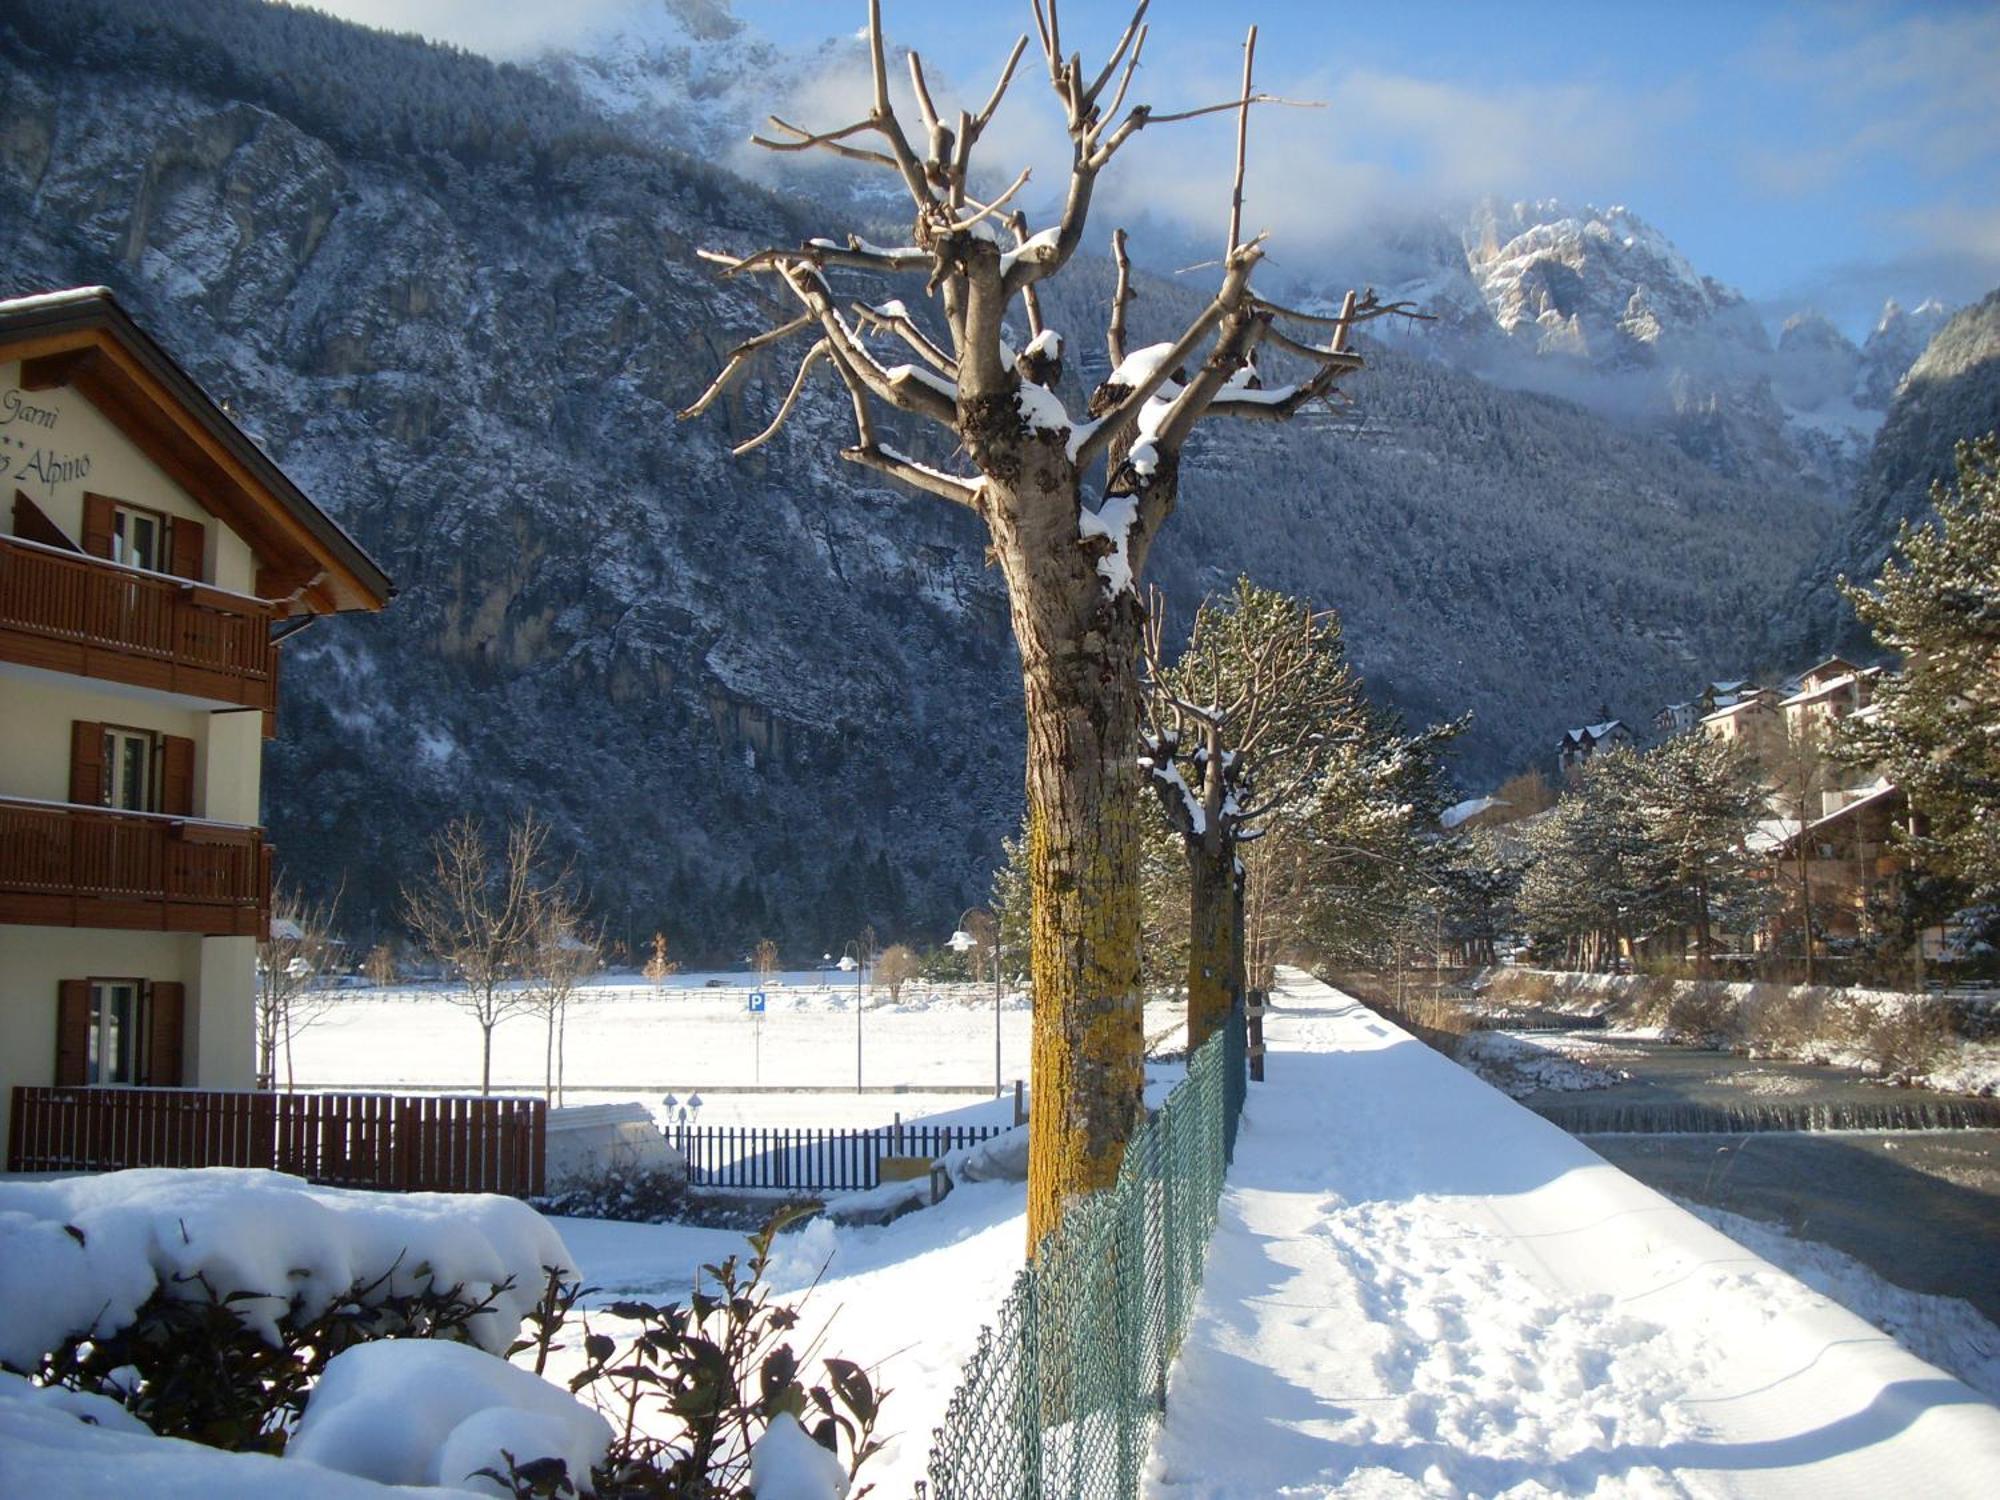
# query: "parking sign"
{"points": [[757, 1002]]}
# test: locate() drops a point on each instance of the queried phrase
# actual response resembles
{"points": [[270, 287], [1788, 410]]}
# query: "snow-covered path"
{"points": [[1419, 1288]]}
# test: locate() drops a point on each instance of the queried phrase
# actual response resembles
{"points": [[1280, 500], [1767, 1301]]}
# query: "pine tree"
{"points": [[1699, 800], [1934, 729]]}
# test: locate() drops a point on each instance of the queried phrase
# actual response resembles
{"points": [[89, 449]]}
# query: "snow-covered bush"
{"points": [[444, 1414], [626, 1191], [208, 1302]]}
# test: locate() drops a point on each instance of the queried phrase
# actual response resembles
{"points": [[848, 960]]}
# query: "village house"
{"points": [[1676, 718], [1750, 721], [1580, 745], [152, 560]]}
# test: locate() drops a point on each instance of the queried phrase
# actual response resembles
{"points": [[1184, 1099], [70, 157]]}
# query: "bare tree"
{"points": [[562, 951], [475, 913], [764, 959], [1238, 729], [380, 965], [1070, 567], [292, 966], [659, 967], [895, 968]]}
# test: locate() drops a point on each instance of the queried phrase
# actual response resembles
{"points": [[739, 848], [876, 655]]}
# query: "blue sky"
{"points": [[1830, 154]]}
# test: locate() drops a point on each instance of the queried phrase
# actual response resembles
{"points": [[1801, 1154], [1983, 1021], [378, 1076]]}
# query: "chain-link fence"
{"points": [[1060, 1396]]}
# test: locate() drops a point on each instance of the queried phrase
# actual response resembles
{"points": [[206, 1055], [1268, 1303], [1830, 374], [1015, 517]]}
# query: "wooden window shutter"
{"points": [[31, 524], [86, 762], [72, 1033], [184, 541], [176, 776], [166, 1010], [98, 539]]}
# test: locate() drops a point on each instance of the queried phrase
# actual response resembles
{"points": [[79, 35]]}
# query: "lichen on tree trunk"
{"points": [[1079, 665], [1213, 945]]}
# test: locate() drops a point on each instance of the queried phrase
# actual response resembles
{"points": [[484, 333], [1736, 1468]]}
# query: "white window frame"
{"points": [[108, 1029], [122, 548], [121, 746]]}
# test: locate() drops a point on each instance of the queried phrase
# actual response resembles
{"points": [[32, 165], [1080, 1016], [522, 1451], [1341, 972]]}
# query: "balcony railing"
{"points": [[70, 613], [67, 866]]}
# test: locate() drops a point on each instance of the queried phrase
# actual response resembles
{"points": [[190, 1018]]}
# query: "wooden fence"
{"points": [[393, 1142], [811, 1160]]}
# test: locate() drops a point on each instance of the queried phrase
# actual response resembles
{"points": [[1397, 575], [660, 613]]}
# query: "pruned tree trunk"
{"points": [[1079, 669], [1214, 937]]}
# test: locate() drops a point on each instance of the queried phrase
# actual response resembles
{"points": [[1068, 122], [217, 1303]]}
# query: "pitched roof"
{"points": [[82, 338]]}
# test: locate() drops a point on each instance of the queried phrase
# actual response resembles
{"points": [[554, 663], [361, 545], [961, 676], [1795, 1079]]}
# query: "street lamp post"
{"points": [[848, 961]]}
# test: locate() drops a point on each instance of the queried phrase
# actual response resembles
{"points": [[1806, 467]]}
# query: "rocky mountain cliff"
{"points": [[1951, 393], [460, 304]]}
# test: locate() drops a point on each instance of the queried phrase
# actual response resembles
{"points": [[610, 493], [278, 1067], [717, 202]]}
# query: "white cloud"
{"points": [[1916, 91]]}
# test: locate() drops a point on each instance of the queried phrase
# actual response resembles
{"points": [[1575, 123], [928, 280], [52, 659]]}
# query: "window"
{"points": [[114, 1028], [138, 538], [120, 1031], [130, 782]]}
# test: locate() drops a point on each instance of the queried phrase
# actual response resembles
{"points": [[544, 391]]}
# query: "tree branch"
{"points": [[921, 476], [739, 360], [1121, 297], [831, 140], [813, 355], [893, 317]]}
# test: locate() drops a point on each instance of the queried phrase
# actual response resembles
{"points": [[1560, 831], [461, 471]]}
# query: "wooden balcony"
{"points": [[68, 866], [66, 612]]}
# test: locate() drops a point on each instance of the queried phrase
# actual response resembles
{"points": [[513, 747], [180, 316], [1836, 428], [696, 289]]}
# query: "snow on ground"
{"points": [[1947, 1331], [1419, 1288], [634, 1039], [906, 1300], [1520, 1065], [625, 1041]]}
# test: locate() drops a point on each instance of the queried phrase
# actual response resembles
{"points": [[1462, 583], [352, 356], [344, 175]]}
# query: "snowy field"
{"points": [[1419, 1288], [792, 1066]]}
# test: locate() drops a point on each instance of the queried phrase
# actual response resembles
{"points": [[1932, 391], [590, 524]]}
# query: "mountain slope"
{"points": [[1950, 394], [760, 696]]}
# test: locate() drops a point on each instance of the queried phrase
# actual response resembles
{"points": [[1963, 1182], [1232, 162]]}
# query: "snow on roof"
{"points": [[1735, 685], [1590, 733], [1734, 708], [76, 295], [1832, 661], [1808, 695], [1878, 791], [1771, 834], [1471, 808]]}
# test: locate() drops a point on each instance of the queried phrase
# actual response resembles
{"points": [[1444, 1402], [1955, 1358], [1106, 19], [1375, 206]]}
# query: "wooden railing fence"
{"points": [[197, 639], [64, 865], [810, 1160], [394, 1142]]}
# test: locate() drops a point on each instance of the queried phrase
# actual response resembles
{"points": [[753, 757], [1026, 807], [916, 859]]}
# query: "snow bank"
{"points": [[56, 1443], [1948, 1331], [423, 1411], [81, 1254], [786, 1464]]}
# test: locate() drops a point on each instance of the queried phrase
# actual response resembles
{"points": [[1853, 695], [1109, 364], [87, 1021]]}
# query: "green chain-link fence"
{"points": [[1060, 1396]]}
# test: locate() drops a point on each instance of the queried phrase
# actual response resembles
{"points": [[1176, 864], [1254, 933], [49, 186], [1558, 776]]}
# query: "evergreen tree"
{"points": [[1698, 799], [1935, 726]]}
